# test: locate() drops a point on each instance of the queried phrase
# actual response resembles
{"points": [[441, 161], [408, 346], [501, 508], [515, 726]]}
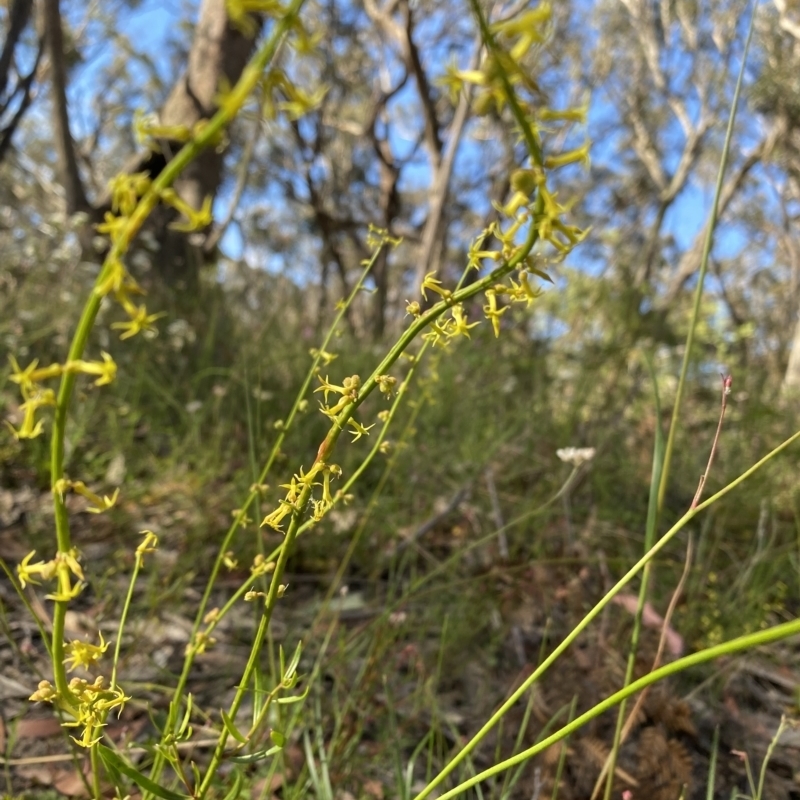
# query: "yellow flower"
{"points": [[45, 693], [116, 275], [41, 569], [106, 370], [83, 654], [31, 427], [139, 321], [149, 544], [460, 320], [492, 312], [358, 429], [99, 504], [112, 225], [434, 285]]}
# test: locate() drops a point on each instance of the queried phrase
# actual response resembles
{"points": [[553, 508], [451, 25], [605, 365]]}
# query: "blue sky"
{"points": [[153, 23]]}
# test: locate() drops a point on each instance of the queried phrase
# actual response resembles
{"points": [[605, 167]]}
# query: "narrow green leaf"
{"points": [[236, 789], [297, 698], [658, 464], [115, 765], [231, 728], [252, 758], [277, 737], [292, 668]]}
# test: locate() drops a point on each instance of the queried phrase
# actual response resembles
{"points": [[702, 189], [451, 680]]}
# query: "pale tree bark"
{"points": [[69, 174], [791, 378], [218, 54], [789, 22]]}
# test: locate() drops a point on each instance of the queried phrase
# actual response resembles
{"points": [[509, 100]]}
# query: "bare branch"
{"points": [[690, 261], [441, 180], [414, 65], [646, 150], [26, 87], [402, 35], [18, 15]]}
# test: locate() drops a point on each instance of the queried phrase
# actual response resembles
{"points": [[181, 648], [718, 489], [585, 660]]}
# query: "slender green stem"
{"points": [[204, 138], [125, 609], [767, 757], [249, 501], [698, 293], [649, 539], [602, 603], [747, 642]]}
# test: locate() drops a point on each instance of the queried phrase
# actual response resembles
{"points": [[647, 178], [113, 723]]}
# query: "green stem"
{"points": [[583, 624], [747, 642], [205, 138], [235, 525]]}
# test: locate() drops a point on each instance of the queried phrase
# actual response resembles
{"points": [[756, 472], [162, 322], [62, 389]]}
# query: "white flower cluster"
{"points": [[576, 455]]}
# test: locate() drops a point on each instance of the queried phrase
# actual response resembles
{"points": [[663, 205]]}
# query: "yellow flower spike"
{"points": [[148, 545], [113, 225], [146, 128], [577, 156], [26, 378], [376, 237], [114, 280], [301, 102], [105, 369], [22, 377], [530, 293], [240, 13], [474, 76], [45, 693], [434, 285], [229, 561], [62, 596], [324, 356], [492, 312], [351, 386], [318, 510], [413, 308], [261, 566], [358, 429], [552, 210], [460, 319], [328, 387], [196, 220], [123, 292], [332, 411], [126, 189], [83, 654], [327, 497], [275, 519], [386, 384], [100, 504], [31, 427], [292, 489], [439, 334], [139, 321], [31, 573], [70, 559], [578, 114], [451, 82], [528, 23]]}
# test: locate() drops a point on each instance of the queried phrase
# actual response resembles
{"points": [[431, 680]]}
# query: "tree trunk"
{"points": [[791, 378]]}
